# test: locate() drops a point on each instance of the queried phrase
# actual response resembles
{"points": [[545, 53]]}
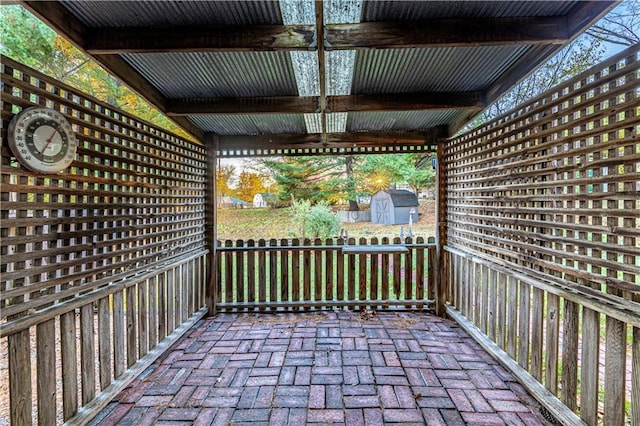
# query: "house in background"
{"points": [[232, 203], [393, 207], [261, 198]]}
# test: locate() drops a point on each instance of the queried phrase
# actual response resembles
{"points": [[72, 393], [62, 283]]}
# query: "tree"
{"points": [[249, 184], [621, 26], [381, 171], [29, 41], [223, 180], [307, 178]]}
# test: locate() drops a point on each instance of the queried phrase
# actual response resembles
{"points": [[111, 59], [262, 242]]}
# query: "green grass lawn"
{"points": [[269, 223]]}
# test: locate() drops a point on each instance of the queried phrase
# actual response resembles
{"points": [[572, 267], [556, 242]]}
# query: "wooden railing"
{"points": [[303, 274], [103, 265], [543, 246]]}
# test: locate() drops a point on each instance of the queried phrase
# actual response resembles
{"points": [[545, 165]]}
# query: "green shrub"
{"points": [[317, 221]]}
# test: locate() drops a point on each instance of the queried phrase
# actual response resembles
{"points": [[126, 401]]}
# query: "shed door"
{"points": [[382, 210]]}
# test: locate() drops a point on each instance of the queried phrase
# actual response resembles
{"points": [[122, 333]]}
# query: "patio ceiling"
{"points": [[256, 74]]}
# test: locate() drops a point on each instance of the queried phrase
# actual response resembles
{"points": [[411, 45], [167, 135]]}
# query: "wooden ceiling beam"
{"points": [[266, 105], [407, 101], [349, 139], [212, 38], [448, 33]]}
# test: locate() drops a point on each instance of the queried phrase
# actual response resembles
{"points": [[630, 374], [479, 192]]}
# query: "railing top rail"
{"points": [[313, 247]]}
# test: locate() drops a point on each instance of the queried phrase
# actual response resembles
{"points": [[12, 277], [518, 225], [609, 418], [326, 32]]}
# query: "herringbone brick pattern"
{"points": [[325, 368]]}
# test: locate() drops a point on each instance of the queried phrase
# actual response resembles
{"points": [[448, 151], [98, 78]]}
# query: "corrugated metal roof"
{"points": [[111, 13], [217, 74], [438, 69], [254, 124], [398, 120], [418, 10]]}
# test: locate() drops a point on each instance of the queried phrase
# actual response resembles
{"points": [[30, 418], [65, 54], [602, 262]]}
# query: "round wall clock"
{"points": [[42, 140]]}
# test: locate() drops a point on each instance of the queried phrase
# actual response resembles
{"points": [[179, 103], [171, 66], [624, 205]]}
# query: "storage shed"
{"points": [[260, 199], [393, 207]]}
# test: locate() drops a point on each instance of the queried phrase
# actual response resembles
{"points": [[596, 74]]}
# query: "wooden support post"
{"points": [[211, 219], [441, 230]]}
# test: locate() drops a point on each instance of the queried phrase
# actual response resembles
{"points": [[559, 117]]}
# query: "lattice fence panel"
{"points": [[134, 196], [554, 186]]}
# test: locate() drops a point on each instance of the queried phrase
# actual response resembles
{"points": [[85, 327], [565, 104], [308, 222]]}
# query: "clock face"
{"points": [[42, 140]]}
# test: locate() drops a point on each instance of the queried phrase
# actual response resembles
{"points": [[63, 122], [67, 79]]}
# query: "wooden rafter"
{"points": [[448, 33], [212, 38], [407, 101], [263, 105], [348, 139]]}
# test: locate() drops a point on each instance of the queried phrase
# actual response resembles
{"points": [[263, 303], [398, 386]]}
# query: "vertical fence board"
{"points": [[512, 317], [19, 374], [119, 342], [87, 354], [284, 271], [153, 312], [614, 378], [295, 271], [552, 340], [262, 273], [251, 271], [273, 271], [340, 275], [373, 273], [317, 269], [590, 366], [240, 282], [330, 256], [46, 370], [104, 341], [306, 270], [570, 355], [132, 333], [537, 334], [143, 320], [524, 343], [69, 361], [501, 310]]}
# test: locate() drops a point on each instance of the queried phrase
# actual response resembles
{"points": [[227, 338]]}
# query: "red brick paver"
{"points": [[324, 368]]}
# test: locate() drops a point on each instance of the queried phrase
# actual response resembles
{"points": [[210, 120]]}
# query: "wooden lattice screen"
{"points": [[111, 251], [543, 219]]}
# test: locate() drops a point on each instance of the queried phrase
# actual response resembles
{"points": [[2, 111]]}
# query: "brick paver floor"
{"points": [[325, 368]]}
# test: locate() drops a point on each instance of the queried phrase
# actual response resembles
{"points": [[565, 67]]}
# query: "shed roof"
{"points": [[401, 197], [254, 75]]}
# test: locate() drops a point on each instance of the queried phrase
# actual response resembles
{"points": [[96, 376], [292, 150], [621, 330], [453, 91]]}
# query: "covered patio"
{"points": [[353, 368], [119, 304]]}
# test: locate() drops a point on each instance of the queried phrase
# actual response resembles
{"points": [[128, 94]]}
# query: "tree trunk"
{"points": [[348, 166]]}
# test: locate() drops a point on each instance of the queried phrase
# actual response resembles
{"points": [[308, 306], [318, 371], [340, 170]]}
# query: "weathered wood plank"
{"points": [[46, 370], [251, 271], [552, 343], [512, 316], [262, 273], [119, 341], [614, 372], [590, 366], [328, 270], [318, 279], [143, 318], [87, 353], [153, 311], [273, 271], [19, 374], [69, 361], [537, 332], [362, 271], [570, 355], [132, 325], [306, 271], [284, 270], [104, 341]]}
